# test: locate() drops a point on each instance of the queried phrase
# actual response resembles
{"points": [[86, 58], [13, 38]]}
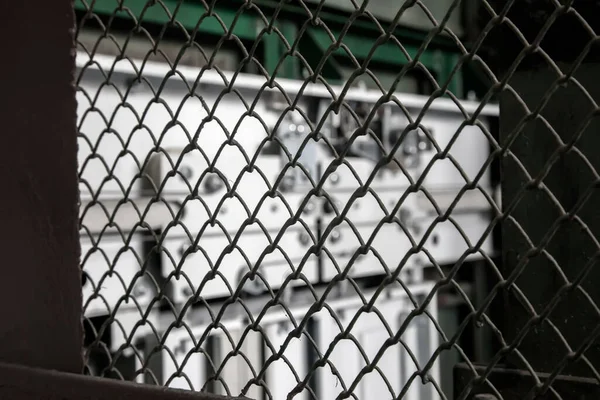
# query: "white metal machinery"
{"points": [[398, 363], [157, 131], [113, 274], [416, 158], [190, 366]]}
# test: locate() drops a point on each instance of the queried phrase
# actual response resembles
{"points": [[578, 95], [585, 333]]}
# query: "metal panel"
{"points": [[284, 374], [210, 253], [446, 242], [112, 264], [232, 202], [396, 366], [389, 246]]}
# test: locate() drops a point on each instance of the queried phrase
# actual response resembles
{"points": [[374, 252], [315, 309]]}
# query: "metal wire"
{"points": [[158, 318]]}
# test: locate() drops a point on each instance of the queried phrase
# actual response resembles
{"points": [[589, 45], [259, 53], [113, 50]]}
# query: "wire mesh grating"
{"points": [[258, 221]]}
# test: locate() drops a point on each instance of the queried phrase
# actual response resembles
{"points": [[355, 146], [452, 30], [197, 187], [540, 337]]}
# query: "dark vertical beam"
{"points": [[40, 286], [570, 180], [571, 177]]}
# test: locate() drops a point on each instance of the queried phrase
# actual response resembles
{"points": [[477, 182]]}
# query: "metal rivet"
{"points": [[287, 182], [334, 178], [304, 238], [140, 290], [213, 183], [186, 171], [309, 207], [336, 236]]}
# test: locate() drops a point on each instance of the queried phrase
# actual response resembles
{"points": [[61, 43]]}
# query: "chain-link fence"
{"points": [[301, 199]]}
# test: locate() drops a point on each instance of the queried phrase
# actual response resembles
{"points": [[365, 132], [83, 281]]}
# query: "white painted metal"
{"points": [[345, 177], [235, 371], [370, 332], [109, 269], [372, 207], [187, 365], [254, 83], [470, 151], [141, 137], [389, 245], [230, 207], [397, 364], [446, 243], [104, 215], [215, 252]]}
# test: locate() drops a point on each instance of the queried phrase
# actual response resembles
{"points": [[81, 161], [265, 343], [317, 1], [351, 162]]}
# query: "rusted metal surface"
{"points": [[24, 383], [40, 289]]}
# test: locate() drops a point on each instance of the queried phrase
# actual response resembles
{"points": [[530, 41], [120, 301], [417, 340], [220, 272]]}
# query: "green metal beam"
{"points": [[439, 62], [360, 47], [247, 26], [187, 14]]}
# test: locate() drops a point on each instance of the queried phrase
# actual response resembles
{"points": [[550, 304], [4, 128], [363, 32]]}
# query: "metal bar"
{"points": [[40, 290], [291, 64], [157, 70], [360, 48], [23, 383], [513, 384], [436, 61]]}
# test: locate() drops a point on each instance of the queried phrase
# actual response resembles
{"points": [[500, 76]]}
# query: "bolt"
{"points": [[287, 183], [140, 290], [404, 215], [335, 236], [334, 178], [186, 172], [304, 238], [213, 183], [309, 208]]}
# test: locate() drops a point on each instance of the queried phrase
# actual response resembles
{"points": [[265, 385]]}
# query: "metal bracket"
{"points": [[516, 384]]}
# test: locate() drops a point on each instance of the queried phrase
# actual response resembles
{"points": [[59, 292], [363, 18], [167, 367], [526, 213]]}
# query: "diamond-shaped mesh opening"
{"points": [[339, 199]]}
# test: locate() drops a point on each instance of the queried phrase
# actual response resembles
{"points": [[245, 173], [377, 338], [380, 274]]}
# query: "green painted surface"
{"points": [[189, 15], [247, 25]]}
